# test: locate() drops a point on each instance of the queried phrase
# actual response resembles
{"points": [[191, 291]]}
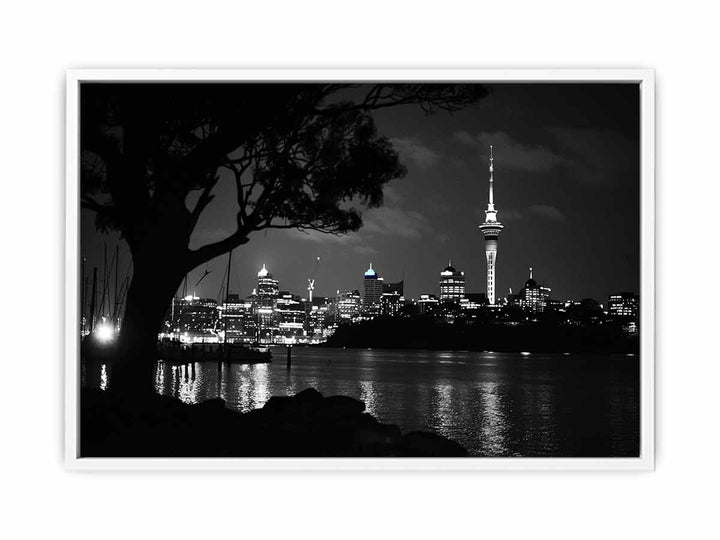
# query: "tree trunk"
{"points": [[156, 278]]}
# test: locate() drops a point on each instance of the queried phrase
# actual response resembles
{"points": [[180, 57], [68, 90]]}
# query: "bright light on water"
{"points": [[493, 404], [103, 377]]}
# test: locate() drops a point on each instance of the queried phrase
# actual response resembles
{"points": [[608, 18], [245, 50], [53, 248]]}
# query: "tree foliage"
{"points": [[304, 156]]}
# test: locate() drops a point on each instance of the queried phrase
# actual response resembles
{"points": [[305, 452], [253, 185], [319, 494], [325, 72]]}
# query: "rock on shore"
{"points": [[305, 425]]}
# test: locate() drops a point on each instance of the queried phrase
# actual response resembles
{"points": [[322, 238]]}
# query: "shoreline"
{"points": [[451, 350], [307, 424]]}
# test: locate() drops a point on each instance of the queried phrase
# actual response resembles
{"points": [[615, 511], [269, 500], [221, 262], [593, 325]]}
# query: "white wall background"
{"points": [[38, 41]]}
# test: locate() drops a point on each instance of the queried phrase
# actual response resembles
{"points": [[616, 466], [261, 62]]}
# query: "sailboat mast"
{"points": [[116, 317], [227, 298], [83, 284], [92, 299], [84, 312], [104, 282]]}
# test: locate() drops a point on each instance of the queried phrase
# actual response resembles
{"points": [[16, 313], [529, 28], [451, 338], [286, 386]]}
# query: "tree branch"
{"points": [[203, 201], [86, 201], [210, 251]]}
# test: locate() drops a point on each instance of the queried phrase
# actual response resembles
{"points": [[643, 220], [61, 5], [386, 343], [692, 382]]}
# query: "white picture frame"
{"points": [[646, 80]]}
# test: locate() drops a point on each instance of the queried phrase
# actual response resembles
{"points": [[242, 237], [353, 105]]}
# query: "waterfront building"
{"points": [[372, 292], [556, 306], [266, 296], [195, 318], [586, 312], [290, 319], [319, 326], [623, 306], [491, 230], [473, 302], [427, 304], [330, 303], [394, 288], [392, 299], [533, 297], [237, 320], [512, 300], [390, 304], [452, 284], [544, 297], [348, 306]]}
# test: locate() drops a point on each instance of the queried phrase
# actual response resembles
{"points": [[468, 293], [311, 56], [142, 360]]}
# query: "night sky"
{"points": [[567, 189]]}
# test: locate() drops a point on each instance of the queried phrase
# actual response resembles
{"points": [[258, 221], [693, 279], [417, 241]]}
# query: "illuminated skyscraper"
{"points": [[623, 305], [196, 316], [534, 297], [267, 297], [452, 284], [348, 306], [491, 230], [372, 292], [289, 317], [237, 320]]}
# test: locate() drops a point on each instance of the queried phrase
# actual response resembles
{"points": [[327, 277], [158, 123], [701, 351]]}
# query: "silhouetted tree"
{"points": [[304, 156]]}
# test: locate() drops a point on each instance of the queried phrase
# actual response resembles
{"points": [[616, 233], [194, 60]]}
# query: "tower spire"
{"points": [[491, 203], [491, 213], [491, 230]]}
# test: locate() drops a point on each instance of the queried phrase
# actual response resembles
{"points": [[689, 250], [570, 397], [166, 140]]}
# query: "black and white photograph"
{"points": [[359, 269]]}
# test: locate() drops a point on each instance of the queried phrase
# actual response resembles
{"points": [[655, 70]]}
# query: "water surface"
{"points": [[494, 404]]}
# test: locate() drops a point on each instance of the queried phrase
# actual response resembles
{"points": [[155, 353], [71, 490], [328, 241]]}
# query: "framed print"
{"points": [[360, 269]]}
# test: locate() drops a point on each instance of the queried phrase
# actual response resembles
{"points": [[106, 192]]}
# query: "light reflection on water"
{"points": [[495, 404], [186, 389], [369, 396], [493, 425], [103, 377], [443, 407]]}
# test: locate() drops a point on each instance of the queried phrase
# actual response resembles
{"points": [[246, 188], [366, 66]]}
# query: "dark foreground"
{"points": [[304, 425]]}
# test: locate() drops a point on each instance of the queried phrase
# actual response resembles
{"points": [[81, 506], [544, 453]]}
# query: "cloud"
{"points": [[536, 210], [415, 151], [463, 137], [378, 223], [588, 156], [321, 237], [394, 221], [510, 154], [365, 250], [391, 195], [597, 156], [547, 211], [508, 215]]}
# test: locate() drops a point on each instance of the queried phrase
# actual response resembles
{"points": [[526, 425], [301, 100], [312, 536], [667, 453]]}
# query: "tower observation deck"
{"points": [[491, 230]]}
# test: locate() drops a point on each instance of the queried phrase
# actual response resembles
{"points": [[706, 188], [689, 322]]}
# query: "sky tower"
{"points": [[491, 230]]}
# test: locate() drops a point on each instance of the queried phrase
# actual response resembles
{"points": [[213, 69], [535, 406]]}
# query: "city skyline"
{"points": [[242, 202], [567, 180], [271, 315], [359, 288]]}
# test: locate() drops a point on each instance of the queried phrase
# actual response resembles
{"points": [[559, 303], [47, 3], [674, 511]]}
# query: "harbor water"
{"points": [[494, 404]]}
